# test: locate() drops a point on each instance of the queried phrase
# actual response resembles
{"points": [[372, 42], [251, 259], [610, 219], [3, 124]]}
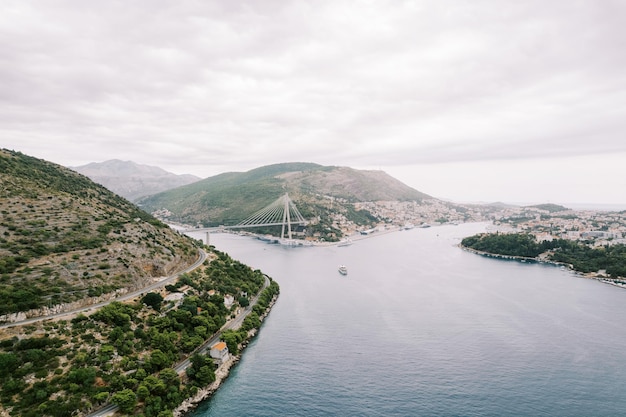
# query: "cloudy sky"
{"points": [[482, 100]]}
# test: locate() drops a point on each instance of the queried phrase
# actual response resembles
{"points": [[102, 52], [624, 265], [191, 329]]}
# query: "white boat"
{"points": [[343, 270]]}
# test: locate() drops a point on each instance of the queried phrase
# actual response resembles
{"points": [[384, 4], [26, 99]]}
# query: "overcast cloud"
{"points": [[467, 100]]}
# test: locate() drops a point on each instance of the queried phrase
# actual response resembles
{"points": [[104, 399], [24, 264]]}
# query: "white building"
{"points": [[228, 300], [219, 352]]}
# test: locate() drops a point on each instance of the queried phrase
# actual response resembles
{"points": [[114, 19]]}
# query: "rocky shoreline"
{"points": [[221, 373], [512, 257], [598, 277]]}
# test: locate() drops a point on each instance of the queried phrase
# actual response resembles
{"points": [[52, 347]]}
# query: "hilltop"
{"points": [[132, 180], [319, 192], [552, 208], [65, 238]]}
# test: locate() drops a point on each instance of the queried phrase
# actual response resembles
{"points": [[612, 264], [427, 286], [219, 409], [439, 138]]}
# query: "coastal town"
{"points": [[598, 228], [545, 222]]}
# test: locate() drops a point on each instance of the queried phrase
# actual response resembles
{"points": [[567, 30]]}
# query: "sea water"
{"points": [[420, 327]]}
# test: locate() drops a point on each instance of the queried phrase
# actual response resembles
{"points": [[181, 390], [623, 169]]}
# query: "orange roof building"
{"points": [[219, 352]]}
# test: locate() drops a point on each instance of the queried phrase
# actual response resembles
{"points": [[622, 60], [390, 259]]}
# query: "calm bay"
{"points": [[420, 327]]}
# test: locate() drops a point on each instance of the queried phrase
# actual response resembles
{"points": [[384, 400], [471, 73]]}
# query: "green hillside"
{"points": [[552, 208], [64, 238], [317, 191]]}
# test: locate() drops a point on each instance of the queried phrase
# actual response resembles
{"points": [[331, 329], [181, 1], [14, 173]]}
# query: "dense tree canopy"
{"points": [[582, 257]]}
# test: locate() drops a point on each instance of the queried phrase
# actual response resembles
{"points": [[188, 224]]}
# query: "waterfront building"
{"points": [[219, 352]]}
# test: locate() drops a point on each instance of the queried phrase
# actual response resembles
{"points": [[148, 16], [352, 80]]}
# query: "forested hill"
{"points": [[317, 190], [65, 238], [580, 256]]}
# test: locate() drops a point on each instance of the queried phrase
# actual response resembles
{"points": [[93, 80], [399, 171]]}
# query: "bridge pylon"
{"points": [[282, 212]]}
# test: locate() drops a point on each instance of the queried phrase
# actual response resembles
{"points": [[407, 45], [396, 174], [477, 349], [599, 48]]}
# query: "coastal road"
{"points": [[202, 256], [232, 324], [108, 410], [235, 323]]}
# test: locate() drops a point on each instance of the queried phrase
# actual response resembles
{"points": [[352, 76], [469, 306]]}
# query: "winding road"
{"points": [[201, 258], [235, 323]]}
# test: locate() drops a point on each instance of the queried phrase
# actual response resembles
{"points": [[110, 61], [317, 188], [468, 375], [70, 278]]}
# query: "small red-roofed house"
{"points": [[219, 352]]}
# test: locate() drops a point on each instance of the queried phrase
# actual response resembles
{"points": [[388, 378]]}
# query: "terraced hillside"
{"points": [[64, 238]]}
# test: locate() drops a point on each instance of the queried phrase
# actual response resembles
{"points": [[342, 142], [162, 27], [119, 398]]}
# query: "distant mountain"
{"points": [[132, 180], [318, 191], [500, 205], [65, 238]]}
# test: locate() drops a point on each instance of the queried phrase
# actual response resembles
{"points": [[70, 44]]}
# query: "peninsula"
{"points": [[606, 262]]}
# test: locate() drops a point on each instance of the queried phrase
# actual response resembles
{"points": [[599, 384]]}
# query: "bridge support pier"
{"points": [[208, 239], [286, 218]]}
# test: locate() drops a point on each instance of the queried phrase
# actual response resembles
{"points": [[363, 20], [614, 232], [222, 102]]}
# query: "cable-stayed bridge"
{"points": [[282, 212]]}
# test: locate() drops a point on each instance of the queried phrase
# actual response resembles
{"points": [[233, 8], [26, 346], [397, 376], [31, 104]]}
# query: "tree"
{"points": [[251, 322], [205, 375], [82, 376], [155, 385], [232, 340], [116, 313], [143, 392], [126, 400], [101, 397], [201, 370], [153, 299], [169, 377], [8, 363], [158, 360], [141, 374]]}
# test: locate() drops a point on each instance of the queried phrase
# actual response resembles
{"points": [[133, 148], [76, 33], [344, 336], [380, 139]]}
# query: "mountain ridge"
{"points": [[132, 180]]}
